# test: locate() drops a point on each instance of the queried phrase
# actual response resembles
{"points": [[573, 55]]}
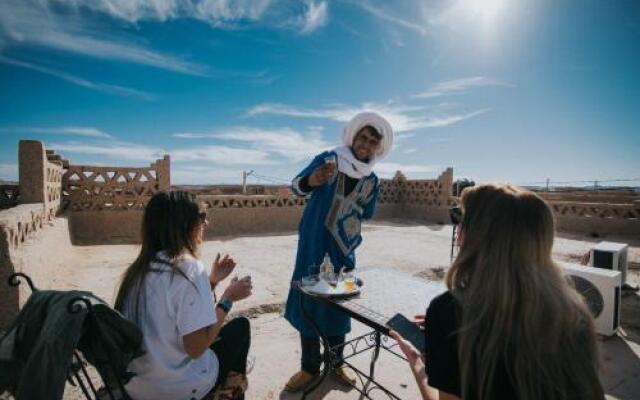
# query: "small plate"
{"points": [[311, 285]]}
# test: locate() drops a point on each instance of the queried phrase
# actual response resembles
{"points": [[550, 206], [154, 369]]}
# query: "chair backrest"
{"points": [[112, 386]]}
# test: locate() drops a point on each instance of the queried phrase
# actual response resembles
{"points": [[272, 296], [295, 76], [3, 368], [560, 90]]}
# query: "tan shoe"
{"points": [[299, 381], [345, 375]]}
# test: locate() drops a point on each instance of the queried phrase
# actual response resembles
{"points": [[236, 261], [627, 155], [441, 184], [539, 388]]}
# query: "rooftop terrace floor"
{"points": [[415, 249]]}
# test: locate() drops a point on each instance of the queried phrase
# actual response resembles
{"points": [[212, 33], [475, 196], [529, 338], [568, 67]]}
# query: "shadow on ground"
{"points": [[324, 391], [621, 368]]}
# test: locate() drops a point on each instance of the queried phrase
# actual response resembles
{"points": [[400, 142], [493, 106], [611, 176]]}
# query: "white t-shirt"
{"points": [[174, 308]]}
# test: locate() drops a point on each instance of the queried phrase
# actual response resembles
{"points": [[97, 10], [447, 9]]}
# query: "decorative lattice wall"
{"points": [[9, 196], [87, 188], [596, 210], [592, 211], [434, 193], [240, 201], [52, 187]]}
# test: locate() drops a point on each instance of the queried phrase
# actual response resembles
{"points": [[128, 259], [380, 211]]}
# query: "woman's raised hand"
{"points": [[221, 269], [238, 289]]}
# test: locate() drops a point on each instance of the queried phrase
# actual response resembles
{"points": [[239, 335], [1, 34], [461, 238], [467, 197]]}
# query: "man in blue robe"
{"points": [[342, 191]]}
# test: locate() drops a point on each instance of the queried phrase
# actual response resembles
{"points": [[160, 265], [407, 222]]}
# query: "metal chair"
{"points": [[78, 374]]}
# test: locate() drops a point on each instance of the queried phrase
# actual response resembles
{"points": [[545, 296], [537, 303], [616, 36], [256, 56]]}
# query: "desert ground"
{"points": [[418, 250]]}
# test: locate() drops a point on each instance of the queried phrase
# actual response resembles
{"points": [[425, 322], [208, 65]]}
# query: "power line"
{"points": [[591, 181], [273, 179]]}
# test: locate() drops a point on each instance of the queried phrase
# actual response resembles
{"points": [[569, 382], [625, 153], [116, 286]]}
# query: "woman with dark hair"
{"points": [[168, 294], [510, 326]]}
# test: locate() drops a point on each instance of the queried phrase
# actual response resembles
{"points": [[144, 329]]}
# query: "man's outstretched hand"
{"points": [[322, 174]]}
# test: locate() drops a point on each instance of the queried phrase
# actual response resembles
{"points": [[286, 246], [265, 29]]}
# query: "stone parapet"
{"points": [[40, 174], [92, 188], [251, 201], [17, 225], [604, 196], [596, 210], [20, 222], [422, 200], [594, 218], [599, 219]]}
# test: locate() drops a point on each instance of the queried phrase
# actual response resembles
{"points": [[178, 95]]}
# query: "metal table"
{"points": [[385, 293]]}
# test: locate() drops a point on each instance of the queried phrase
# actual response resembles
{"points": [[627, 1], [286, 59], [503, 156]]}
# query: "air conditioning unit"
{"points": [[610, 255], [601, 290]]}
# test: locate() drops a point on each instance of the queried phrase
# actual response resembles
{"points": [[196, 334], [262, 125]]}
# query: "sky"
{"points": [[511, 91]]}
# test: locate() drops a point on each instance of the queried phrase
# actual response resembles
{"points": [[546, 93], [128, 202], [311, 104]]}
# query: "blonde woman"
{"points": [[510, 326]]}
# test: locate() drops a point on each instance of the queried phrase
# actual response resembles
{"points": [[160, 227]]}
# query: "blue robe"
{"points": [[330, 225]]}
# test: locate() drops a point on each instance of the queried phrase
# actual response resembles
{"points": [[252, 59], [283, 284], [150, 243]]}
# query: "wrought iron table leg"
{"points": [[326, 351], [372, 363], [374, 356]]}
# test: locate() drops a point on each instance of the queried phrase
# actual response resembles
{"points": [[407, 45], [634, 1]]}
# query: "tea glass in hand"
{"points": [[331, 160]]}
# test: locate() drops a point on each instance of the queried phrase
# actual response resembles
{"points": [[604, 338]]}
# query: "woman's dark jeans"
{"points": [[232, 348]]}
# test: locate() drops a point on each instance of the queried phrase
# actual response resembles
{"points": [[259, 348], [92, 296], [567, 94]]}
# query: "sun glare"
{"points": [[485, 9]]}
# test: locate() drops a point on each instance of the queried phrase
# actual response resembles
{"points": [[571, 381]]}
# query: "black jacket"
{"points": [[36, 352]]}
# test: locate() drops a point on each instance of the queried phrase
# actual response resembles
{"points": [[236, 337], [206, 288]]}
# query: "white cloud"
{"points": [[218, 155], [218, 12], [315, 16], [440, 140], [388, 169], [114, 50], [446, 120], [403, 118], [86, 131], [385, 15], [214, 12], [9, 172], [199, 175], [222, 155], [101, 87], [71, 26], [37, 23], [284, 142], [120, 150], [461, 85]]}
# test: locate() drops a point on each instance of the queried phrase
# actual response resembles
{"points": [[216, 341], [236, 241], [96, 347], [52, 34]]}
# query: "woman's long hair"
{"points": [[169, 224], [517, 308]]}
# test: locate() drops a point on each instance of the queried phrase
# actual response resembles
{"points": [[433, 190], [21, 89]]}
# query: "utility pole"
{"points": [[547, 184], [244, 180]]}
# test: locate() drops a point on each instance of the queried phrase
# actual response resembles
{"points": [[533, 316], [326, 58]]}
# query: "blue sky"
{"points": [[516, 91]]}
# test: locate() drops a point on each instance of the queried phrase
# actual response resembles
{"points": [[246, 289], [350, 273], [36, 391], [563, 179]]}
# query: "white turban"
{"points": [[376, 121], [347, 163]]}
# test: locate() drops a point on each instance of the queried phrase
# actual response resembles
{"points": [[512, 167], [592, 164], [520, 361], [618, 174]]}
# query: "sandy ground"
{"points": [[415, 249]]}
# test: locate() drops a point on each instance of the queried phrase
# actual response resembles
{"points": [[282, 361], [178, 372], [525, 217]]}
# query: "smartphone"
{"points": [[408, 330]]}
